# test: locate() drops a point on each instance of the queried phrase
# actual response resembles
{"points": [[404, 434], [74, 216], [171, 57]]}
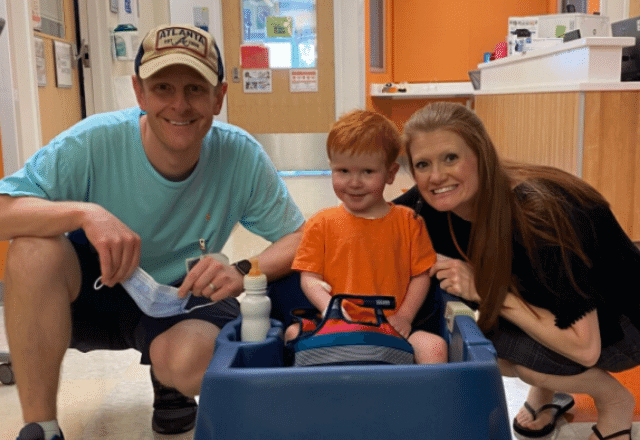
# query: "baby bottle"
{"points": [[255, 306]]}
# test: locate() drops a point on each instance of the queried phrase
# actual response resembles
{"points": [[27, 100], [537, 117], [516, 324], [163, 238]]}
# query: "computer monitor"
{"points": [[629, 27]]}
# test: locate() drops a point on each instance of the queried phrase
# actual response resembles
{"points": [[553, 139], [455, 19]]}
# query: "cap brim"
{"points": [[157, 64]]}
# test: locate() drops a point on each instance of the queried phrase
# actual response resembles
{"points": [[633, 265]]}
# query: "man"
{"points": [[147, 187]]}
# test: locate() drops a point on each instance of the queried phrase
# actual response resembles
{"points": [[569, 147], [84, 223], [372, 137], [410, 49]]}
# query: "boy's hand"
{"points": [[400, 324]]}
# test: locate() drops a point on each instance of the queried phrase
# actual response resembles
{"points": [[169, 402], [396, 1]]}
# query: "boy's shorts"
{"points": [[109, 319]]}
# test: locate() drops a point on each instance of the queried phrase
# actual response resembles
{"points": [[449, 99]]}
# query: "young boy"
{"points": [[368, 246]]}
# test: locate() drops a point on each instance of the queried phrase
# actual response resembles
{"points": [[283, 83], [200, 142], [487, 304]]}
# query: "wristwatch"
{"points": [[243, 266]]}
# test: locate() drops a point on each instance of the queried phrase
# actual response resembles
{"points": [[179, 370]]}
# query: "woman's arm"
{"points": [[579, 342]]}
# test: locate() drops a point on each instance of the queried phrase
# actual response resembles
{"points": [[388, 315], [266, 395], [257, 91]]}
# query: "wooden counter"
{"points": [[594, 134]]}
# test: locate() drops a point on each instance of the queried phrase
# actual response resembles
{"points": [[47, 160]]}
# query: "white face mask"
{"points": [[154, 299]]}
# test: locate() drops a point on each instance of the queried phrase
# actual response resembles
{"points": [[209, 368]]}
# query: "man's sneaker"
{"points": [[33, 431], [173, 412]]}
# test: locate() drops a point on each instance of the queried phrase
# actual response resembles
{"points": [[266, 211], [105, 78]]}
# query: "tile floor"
{"points": [[107, 396]]}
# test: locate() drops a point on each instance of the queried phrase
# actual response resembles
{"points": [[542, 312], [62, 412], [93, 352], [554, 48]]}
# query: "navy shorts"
{"points": [[108, 319]]}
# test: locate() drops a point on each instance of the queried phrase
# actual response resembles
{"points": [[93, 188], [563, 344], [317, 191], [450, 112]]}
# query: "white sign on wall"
{"points": [[62, 58], [256, 81], [303, 80]]}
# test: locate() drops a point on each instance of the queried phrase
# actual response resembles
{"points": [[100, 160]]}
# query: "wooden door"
{"points": [[281, 111], [60, 107]]}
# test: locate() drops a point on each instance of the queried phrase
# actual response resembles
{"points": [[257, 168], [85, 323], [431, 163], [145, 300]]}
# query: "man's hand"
{"points": [[117, 245], [212, 279]]}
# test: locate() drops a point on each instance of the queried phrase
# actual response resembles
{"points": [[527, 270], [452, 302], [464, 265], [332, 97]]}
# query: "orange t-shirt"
{"points": [[366, 256]]}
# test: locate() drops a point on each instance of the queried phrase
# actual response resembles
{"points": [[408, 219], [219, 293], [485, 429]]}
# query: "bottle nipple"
{"points": [[255, 279], [255, 268]]}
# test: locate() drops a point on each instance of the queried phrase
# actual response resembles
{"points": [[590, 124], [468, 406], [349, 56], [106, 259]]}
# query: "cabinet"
{"points": [[593, 134]]}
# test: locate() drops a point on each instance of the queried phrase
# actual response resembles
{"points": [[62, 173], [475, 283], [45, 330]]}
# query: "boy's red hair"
{"points": [[364, 132]]}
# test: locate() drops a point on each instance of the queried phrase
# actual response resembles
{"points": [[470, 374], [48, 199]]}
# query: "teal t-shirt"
{"points": [[101, 160]]}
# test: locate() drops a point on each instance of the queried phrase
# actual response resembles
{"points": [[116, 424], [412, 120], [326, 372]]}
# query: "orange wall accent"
{"points": [[439, 41], [442, 40]]}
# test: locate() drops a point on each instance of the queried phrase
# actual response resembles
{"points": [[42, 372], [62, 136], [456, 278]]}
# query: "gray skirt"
{"points": [[514, 345]]}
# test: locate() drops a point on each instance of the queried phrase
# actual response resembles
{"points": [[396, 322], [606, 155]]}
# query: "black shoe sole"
{"points": [[174, 421]]}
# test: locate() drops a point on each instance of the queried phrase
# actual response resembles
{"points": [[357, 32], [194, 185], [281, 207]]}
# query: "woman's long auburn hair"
{"points": [[541, 216]]}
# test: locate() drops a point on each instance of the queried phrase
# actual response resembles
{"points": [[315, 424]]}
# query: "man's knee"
{"points": [[183, 350], [47, 259], [26, 252]]}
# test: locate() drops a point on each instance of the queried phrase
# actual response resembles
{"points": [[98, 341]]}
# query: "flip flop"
{"points": [[614, 435], [561, 404]]}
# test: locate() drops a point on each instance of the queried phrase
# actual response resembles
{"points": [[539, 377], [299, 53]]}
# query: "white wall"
{"points": [[108, 81], [616, 10], [19, 108]]}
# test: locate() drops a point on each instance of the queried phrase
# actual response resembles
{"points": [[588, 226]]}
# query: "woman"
{"points": [[543, 257]]}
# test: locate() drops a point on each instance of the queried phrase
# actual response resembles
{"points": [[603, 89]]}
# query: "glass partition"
{"points": [[287, 28]]}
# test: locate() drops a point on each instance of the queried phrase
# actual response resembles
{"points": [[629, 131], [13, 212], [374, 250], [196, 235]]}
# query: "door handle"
{"points": [[82, 53]]}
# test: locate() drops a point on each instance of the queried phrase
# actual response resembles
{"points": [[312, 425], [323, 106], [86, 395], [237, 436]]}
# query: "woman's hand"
{"points": [[456, 277]]}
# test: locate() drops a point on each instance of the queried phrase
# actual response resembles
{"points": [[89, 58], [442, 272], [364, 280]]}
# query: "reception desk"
{"points": [[590, 129]]}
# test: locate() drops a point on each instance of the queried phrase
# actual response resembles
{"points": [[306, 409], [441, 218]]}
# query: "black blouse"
{"points": [[609, 284]]}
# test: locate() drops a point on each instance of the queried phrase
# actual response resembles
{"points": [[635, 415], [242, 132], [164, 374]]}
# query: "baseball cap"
{"points": [[167, 45]]}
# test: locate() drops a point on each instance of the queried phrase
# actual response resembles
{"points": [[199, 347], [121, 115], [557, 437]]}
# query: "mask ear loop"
{"points": [[98, 284], [200, 306]]}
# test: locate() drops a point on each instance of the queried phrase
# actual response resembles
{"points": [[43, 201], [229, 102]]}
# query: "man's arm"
{"points": [[117, 245], [36, 217], [275, 261], [217, 281]]}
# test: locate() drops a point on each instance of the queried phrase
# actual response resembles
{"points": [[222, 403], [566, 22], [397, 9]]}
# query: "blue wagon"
{"points": [[247, 393]]}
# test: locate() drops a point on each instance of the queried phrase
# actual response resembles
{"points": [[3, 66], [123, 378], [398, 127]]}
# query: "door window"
{"points": [[52, 18], [287, 28]]}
